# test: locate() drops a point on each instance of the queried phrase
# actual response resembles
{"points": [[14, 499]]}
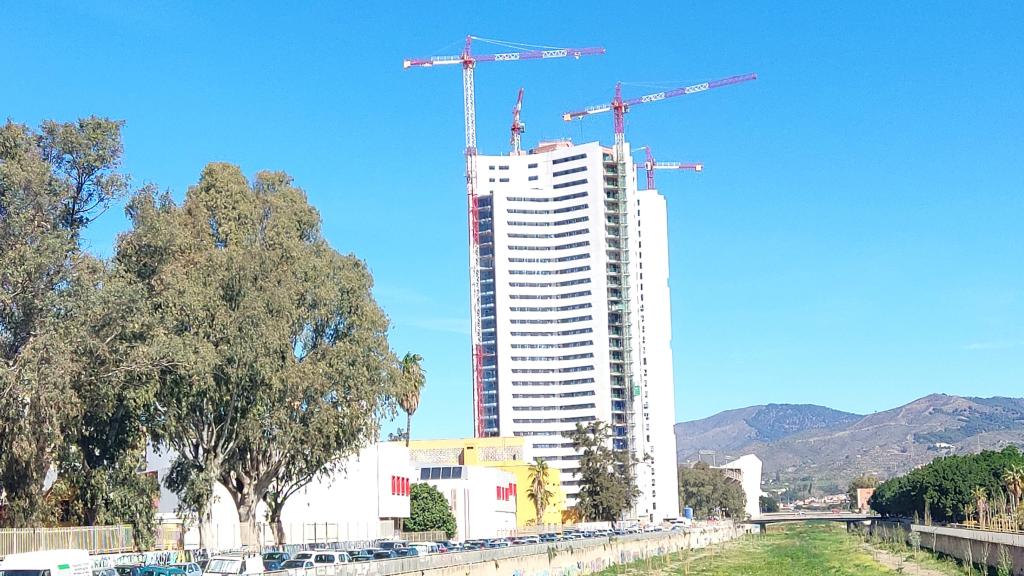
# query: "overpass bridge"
{"points": [[782, 517]]}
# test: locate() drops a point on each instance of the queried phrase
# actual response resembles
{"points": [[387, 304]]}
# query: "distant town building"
{"points": [[863, 496], [573, 323], [747, 471]]}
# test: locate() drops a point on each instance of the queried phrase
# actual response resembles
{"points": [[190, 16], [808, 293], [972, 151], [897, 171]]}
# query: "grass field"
{"points": [[793, 550]]}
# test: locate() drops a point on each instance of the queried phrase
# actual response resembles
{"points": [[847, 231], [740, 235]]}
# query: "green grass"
{"points": [[792, 550]]}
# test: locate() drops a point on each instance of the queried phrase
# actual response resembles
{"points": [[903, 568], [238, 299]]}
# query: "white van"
{"points": [[233, 564], [47, 563]]}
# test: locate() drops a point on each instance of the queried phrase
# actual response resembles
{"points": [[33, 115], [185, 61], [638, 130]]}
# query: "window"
{"points": [[567, 184], [558, 247], [502, 179], [549, 272], [550, 308], [550, 296], [568, 159], [560, 333], [578, 344], [570, 171], [549, 284], [575, 208], [533, 165], [532, 178], [552, 358], [556, 223], [587, 368], [552, 382], [550, 260], [553, 320], [549, 408], [558, 235]]}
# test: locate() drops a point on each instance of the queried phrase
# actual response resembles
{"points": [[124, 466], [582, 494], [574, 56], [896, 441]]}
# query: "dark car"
{"points": [[190, 568], [104, 572], [384, 555], [295, 566], [273, 560], [391, 544], [407, 552], [160, 571], [128, 569]]}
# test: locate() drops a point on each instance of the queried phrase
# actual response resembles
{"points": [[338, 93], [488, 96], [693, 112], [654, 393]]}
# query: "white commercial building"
{"points": [[482, 499], [574, 312], [747, 471], [365, 501]]}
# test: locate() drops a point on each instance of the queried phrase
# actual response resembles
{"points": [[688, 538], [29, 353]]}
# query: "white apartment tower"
{"points": [[574, 311]]}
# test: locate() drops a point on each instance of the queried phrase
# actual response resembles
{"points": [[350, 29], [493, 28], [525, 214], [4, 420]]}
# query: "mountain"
{"points": [[826, 447]]}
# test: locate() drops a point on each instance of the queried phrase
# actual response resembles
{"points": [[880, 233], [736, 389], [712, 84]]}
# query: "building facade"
{"points": [[366, 500], [483, 500], [511, 454], [574, 313]]}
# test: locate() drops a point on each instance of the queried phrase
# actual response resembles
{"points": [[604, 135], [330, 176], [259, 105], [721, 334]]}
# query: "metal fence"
{"points": [[429, 536], [95, 539]]}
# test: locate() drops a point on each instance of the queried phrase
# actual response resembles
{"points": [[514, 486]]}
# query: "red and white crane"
{"points": [[517, 127], [619, 107], [649, 166], [468, 61]]}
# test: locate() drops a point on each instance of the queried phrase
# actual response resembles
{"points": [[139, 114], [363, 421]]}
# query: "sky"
{"points": [[856, 239]]}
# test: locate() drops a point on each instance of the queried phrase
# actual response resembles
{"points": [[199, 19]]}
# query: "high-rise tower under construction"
{"points": [[574, 315]]}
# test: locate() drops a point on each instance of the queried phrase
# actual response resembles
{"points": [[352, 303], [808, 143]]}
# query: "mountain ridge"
{"points": [[808, 441]]}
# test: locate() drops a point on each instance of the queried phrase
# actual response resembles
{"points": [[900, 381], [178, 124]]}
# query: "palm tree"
{"points": [[413, 380], [981, 497], [538, 492], [1013, 478]]}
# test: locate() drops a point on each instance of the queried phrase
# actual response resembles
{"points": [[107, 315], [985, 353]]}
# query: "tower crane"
{"points": [[619, 107], [649, 166], [468, 61], [517, 127]]}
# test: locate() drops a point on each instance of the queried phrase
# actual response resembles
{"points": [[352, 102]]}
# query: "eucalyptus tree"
{"points": [[53, 182], [282, 364]]}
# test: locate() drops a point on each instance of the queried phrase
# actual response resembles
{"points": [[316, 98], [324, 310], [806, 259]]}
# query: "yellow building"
{"points": [[503, 452]]}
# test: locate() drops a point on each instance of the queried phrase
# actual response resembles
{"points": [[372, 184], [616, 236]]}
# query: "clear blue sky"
{"points": [[856, 239]]}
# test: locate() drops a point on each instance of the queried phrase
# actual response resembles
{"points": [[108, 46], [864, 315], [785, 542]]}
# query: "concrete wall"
{"points": [[561, 559], [980, 545]]}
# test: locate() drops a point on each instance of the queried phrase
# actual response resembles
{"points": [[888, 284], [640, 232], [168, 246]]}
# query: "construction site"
{"points": [[569, 284]]}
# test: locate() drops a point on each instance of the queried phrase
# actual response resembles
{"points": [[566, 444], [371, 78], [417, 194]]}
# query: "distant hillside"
{"points": [[801, 441]]}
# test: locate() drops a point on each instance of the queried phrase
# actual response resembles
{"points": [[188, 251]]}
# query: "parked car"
{"points": [[425, 548], [391, 544], [202, 563], [235, 564], [128, 569], [408, 552], [330, 558], [296, 567], [46, 562], [385, 554], [307, 555], [104, 572], [273, 560], [189, 568], [160, 571]]}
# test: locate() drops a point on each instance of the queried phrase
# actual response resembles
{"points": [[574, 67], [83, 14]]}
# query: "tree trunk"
{"points": [[204, 530], [408, 428], [274, 517], [247, 520]]}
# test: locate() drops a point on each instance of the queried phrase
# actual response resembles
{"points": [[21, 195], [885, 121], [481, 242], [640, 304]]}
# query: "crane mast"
{"points": [[649, 166], [517, 127], [468, 60]]}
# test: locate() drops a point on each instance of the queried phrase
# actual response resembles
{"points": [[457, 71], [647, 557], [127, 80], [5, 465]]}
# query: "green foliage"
{"points": [[429, 510], [73, 362], [709, 492], [948, 484], [607, 478], [768, 504], [538, 492], [413, 381], [279, 360]]}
